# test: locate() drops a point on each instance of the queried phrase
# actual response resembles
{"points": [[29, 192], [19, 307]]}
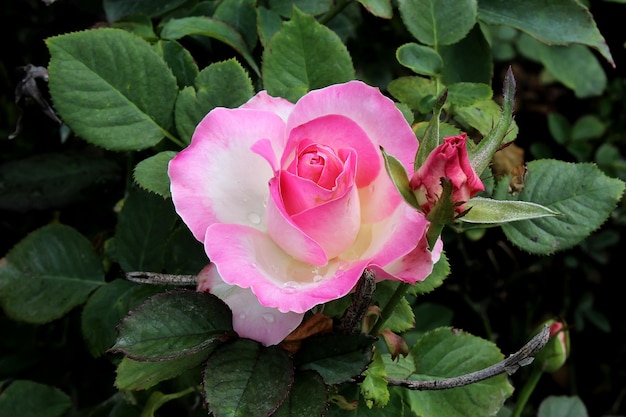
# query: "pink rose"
{"points": [[447, 160], [292, 201]]}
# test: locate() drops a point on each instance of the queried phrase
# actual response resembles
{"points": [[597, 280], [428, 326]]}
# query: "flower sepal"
{"points": [[490, 211], [553, 356]]}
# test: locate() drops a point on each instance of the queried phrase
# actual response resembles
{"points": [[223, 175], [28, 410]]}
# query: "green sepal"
{"points": [[399, 177], [431, 137], [482, 155], [489, 211]]}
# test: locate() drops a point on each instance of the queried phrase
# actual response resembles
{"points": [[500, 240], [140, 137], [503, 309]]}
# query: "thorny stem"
{"points": [[361, 300], [155, 278], [510, 365]]}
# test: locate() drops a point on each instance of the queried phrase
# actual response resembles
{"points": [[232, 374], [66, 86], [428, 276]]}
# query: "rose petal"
{"points": [[277, 105], [249, 258], [338, 132], [288, 234], [334, 224], [379, 199], [250, 319], [386, 241], [413, 267], [368, 108], [217, 178]]}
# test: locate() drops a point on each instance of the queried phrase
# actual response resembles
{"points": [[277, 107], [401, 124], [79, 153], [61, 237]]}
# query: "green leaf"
{"points": [[221, 84], [483, 116], [439, 273], [468, 60], [420, 59], [103, 99], [395, 406], [588, 127], [559, 127], [205, 26], [438, 22], [580, 192], [308, 397], [185, 255], [587, 80], [143, 226], [490, 211], [48, 273], [134, 375], [336, 357], [302, 56], [400, 178], [180, 61], [561, 22], [31, 399], [139, 25], [310, 7], [402, 318], [412, 91], [466, 94], [379, 8], [268, 23], [106, 307], [245, 379], [445, 353], [116, 9], [172, 324], [151, 173], [374, 386], [562, 406], [54, 180], [158, 399], [241, 16]]}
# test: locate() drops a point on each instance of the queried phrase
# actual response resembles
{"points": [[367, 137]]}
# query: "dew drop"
{"points": [[317, 278], [290, 287], [268, 317], [254, 218], [242, 316]]}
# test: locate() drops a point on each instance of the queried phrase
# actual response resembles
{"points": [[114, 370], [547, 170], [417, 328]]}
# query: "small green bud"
{"points": [[552, 357]]}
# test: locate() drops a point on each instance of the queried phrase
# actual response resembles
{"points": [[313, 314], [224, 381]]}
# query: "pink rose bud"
{"points": [[448, 160], [555, 353]]}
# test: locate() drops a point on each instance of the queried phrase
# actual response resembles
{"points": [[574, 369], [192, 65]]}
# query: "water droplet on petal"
{"points": [[318, 278], [242, 316], [290, 287], [268, 317], [254, 218]]}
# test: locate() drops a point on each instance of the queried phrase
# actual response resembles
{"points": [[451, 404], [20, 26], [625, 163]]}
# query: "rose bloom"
{"points": [[293, 202], [447, 160]]}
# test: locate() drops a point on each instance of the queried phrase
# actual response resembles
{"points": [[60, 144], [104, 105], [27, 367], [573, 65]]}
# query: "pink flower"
{"points": [[250, 319], [292, 201], [448, 160]]}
